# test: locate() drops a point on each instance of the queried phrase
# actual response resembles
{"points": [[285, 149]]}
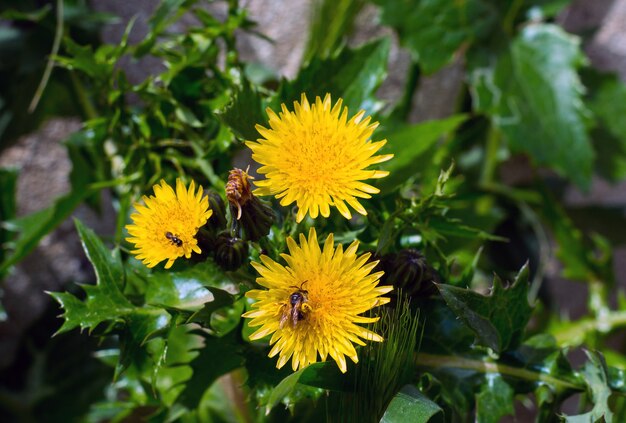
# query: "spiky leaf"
{"points": [[497, 320]]}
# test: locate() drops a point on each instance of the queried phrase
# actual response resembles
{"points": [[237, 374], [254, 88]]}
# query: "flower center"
{"points": [[316, 160]]}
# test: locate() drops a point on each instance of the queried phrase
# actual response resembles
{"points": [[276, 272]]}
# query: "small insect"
{"points": [[293, 311], [175, 240]]}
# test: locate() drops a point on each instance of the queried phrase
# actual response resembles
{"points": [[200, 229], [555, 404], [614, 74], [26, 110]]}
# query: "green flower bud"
{"points": [[230, 253], [217, 222], [408, 270], [256, 219]]}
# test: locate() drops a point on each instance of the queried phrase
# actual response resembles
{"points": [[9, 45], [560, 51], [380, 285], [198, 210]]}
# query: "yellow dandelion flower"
{"points": [[165, 227], [314, 304], [318, 157]]}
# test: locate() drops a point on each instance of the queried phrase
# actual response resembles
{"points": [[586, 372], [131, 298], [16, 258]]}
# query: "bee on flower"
{"points": [[165, 226], [313, 307]]}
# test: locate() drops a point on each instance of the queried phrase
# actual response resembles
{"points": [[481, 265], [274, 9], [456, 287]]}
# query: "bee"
{"points": [[175, 240], [293, 311]]}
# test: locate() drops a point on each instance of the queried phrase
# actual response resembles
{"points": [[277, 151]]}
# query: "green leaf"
{"points": [[185, 289], [412, 146], [326, 375], [244, 112], [331, 22], [105, 300], [8, 206], [32, 228], [535, 98], [221, 299], [83, 58], [217, 357], [32, 16], [283, 389], [574, 251], [494, 401], [596, 379], [35, 226], [353, 75], [498, 320], [608, 104], [433, 30], [140, 325], [410, 405]]}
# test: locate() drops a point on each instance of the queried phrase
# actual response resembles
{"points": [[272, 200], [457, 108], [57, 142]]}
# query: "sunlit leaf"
{"points": [[595, 376], [409, 405], [534, 97]]}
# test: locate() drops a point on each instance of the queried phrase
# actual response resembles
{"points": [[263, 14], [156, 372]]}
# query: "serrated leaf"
{"points": [[535, 98], [105, 300], [497, 320], [244, 112], [595, 376], [353, 75], [410, 405], [494, 401], [443, 330]]}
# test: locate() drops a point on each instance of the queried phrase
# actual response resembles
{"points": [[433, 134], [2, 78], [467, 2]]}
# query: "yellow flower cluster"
{"points": [[317, 157]]}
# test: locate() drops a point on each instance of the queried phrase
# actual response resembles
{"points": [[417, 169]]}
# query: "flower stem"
{"points": [[450, 361], [577, 332], [491, 156], [56, 44]]}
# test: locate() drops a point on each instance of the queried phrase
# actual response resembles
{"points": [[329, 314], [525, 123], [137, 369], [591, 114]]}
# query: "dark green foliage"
{"points": [[354, 75], [498, 320], [172, 345], [443, 27], [245, 112]]}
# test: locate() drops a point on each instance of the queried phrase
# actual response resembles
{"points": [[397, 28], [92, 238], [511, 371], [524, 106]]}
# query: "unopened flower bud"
{"points": [[409, 270], [256, 219], [218, 220], [230, 253]]}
